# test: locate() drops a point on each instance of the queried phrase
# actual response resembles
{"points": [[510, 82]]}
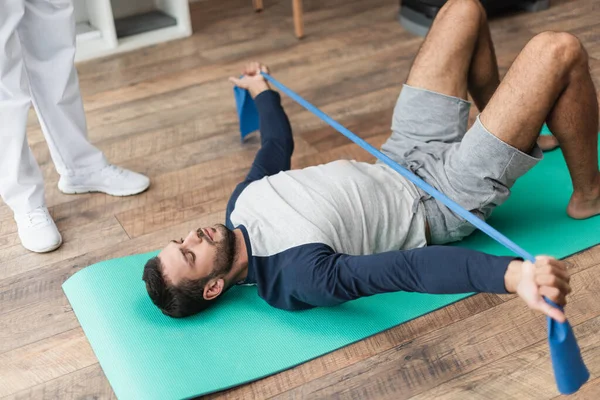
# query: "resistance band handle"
{"points": [[569, 370]]}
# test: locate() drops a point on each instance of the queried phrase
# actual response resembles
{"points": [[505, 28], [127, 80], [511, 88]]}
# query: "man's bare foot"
{"points": [[585, 205], [547, 142]]}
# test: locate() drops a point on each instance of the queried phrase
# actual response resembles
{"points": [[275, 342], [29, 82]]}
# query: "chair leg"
{"points": [[298, 18], [258, 5]]}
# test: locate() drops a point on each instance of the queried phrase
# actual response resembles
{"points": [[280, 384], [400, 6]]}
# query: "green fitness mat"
{"points": [[146, 355]]}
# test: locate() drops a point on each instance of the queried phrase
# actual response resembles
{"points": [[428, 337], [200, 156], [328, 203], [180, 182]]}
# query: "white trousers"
{"points": [[37, 51]]}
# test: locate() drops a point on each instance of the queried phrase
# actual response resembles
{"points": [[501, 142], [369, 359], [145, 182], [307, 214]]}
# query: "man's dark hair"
{"points": [[185, 299]]}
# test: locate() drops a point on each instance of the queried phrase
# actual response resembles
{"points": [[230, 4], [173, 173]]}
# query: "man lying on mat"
{"points": [[324, 235]]}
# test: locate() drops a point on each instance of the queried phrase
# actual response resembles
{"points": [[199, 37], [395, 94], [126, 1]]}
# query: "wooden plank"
{"points": [[523, 374], [437, 357], [208, 97], [141, 221], [8, 226], [16, 260], [590, 37], [560, 9], [568, 17], [38, 321], [43, 361], [74, 386], [110, 80]]}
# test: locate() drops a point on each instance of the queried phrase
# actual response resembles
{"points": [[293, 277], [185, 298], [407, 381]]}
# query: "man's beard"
{"points": [[226, 250]]}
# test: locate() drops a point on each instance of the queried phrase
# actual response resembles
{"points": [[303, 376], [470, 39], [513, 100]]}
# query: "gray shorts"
{"points": [[474, 168]]}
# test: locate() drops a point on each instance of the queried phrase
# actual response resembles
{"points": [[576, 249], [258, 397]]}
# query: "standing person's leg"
{"points": [[21, 182], [47, 34], [550, 82]]}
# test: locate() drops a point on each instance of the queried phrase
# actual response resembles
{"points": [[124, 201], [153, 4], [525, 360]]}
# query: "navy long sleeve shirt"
{"points": [[324, 235]]}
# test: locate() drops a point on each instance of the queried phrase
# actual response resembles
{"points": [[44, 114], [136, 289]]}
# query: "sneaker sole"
{"points": [[118, 193], [47, 249]]}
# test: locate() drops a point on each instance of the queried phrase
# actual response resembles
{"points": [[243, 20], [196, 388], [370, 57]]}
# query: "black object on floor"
{"points": [[141, 23], [416, 16]]}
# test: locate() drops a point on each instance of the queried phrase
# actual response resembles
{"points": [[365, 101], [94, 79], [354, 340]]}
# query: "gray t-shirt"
{"points": [[354, 207]]}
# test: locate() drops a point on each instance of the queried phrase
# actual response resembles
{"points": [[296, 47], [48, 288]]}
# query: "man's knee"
{"points": [[463, 11], [561, 49]]}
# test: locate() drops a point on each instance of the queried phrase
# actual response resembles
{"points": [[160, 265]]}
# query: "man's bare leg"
{"points": [[550, 82], [458, 54]]}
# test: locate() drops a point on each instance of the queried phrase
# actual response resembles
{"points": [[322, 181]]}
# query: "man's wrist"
{"points": [[257, 88], [512, 276]]}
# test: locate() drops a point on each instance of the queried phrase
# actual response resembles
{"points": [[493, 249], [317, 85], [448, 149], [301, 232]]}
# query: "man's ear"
{"points": [[214, 288]]}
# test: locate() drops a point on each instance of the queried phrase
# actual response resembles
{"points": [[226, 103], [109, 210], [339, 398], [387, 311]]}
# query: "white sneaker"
{"points": [[111, 180], [37, 231]]}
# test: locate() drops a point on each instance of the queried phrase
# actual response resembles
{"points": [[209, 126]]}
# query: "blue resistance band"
{"points": [[569, 370]]}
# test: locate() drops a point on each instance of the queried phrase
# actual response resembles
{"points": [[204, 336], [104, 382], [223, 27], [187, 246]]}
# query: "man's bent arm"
{"points": [[277, 142]]}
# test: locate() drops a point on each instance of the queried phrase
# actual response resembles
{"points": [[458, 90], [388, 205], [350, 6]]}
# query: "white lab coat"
{"points": [[37, 50]]}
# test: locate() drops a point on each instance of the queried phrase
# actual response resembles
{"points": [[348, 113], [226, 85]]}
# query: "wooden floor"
{"points": [[168, 111]]}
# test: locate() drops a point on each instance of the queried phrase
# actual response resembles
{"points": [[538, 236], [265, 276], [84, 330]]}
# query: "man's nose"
{"points": [[192, 237]]}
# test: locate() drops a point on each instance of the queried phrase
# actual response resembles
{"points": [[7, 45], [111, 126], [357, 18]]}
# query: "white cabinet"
{"points": [[110, 26]]}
